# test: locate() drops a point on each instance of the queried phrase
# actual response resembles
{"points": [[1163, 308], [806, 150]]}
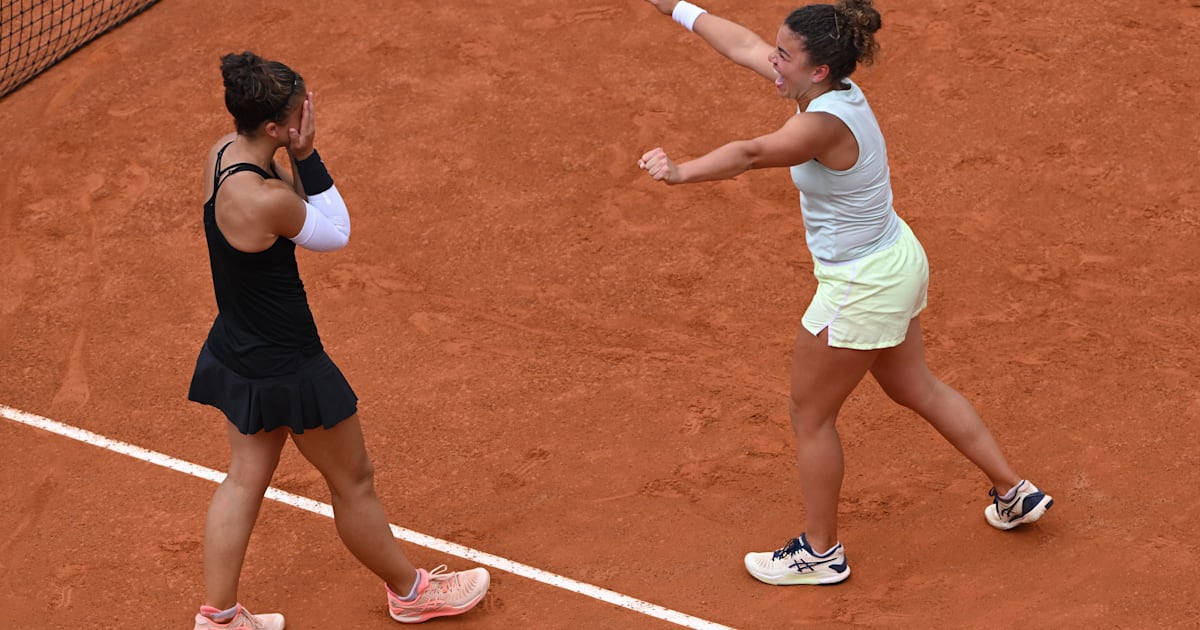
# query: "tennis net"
{"points": [[36, 34]]}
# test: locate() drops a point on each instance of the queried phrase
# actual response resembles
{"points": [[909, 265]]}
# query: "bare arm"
{"points": [[326, 224], [734, 41], [265, 209], [802, 138]]}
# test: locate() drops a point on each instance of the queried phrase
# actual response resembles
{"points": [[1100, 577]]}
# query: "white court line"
{"points": [[407, 535]]}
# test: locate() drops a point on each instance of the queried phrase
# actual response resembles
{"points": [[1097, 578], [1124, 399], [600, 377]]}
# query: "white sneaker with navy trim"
{"points": [[1027, 505], [797, 563]]}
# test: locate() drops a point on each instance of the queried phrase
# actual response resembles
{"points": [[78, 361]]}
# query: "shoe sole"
{"points": [[793, 579], [212, 627], [1030, 517], [208, 625]]}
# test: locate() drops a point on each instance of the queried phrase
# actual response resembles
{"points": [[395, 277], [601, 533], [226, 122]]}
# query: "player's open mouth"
{"points": [[778, 80]]}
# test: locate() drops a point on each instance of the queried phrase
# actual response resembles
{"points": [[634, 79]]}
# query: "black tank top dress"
{"points": [[263, 363]]}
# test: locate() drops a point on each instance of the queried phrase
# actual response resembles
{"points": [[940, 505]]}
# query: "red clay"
{"points": [[562, 363]]}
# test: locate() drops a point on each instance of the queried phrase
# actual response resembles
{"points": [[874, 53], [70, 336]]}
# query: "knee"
{"points": [[358, 479], [917, 395], [253, 476], [808, 421], [364, 473]]}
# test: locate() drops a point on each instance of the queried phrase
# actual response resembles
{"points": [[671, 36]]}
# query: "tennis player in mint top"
{"points": [[263, 363], [871, 271]]}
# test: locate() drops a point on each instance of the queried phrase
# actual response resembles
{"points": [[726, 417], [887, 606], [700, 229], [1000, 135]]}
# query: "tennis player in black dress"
{"points": [[263, 363]]}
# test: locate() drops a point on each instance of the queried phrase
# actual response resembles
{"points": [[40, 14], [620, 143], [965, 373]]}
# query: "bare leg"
{"points": [[822, 378], [234, 509], [341, 457], [905, 377]]}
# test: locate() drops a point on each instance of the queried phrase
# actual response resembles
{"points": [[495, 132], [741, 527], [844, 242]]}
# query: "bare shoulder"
{"points": [[275, 202], [830, 140], [816, 126], [252, 211], [249, 190]]}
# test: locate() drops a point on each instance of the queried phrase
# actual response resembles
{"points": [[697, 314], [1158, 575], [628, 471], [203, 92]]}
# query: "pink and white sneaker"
{"points": [[440, 593]]}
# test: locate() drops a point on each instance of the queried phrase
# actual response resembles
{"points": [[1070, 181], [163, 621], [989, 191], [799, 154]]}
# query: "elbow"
{"points": [[750, 157], [339, 243], [340, 238], [327, 244], [320, 234]]}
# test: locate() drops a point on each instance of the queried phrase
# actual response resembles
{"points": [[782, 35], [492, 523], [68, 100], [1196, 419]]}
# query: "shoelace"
{"points": [[1003, 508], [441, 582], [442, 576], [794, 545]]}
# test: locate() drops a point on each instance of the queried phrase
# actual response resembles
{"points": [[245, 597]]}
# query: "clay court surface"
{"points": [[567, 365]]}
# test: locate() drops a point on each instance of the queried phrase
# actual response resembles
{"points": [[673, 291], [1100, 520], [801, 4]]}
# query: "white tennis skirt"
{"points": [[867, 304]]}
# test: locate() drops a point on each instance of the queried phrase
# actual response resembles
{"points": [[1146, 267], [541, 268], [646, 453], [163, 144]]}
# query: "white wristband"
{"points": [[685, 13]]}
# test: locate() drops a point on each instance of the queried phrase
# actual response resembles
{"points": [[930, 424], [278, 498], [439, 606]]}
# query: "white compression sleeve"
{"points": [[326, 222]]}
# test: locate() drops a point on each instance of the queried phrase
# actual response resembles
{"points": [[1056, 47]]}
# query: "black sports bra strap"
{"points": [[238, 168], [217, 167], [222, 174]]}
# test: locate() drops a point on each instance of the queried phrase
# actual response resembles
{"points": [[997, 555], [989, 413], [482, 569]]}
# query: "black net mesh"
{"points": [[36, 34]]}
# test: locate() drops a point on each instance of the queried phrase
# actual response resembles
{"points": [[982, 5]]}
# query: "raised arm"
{"points": [[802, 138], [734, 41], [326, 223]]}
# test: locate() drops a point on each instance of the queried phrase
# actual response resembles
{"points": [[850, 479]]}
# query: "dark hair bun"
{"points": [[861, 14], [242, 73], [863, 21], [258, 90]]}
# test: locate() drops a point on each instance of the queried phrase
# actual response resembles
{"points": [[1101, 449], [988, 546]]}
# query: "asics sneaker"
{"points": [[440, 592], [1027, 505], [243, 620], [797, 563]]}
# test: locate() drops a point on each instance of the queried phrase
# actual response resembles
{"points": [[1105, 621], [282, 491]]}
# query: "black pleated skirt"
{"points": [[316, 396]]}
